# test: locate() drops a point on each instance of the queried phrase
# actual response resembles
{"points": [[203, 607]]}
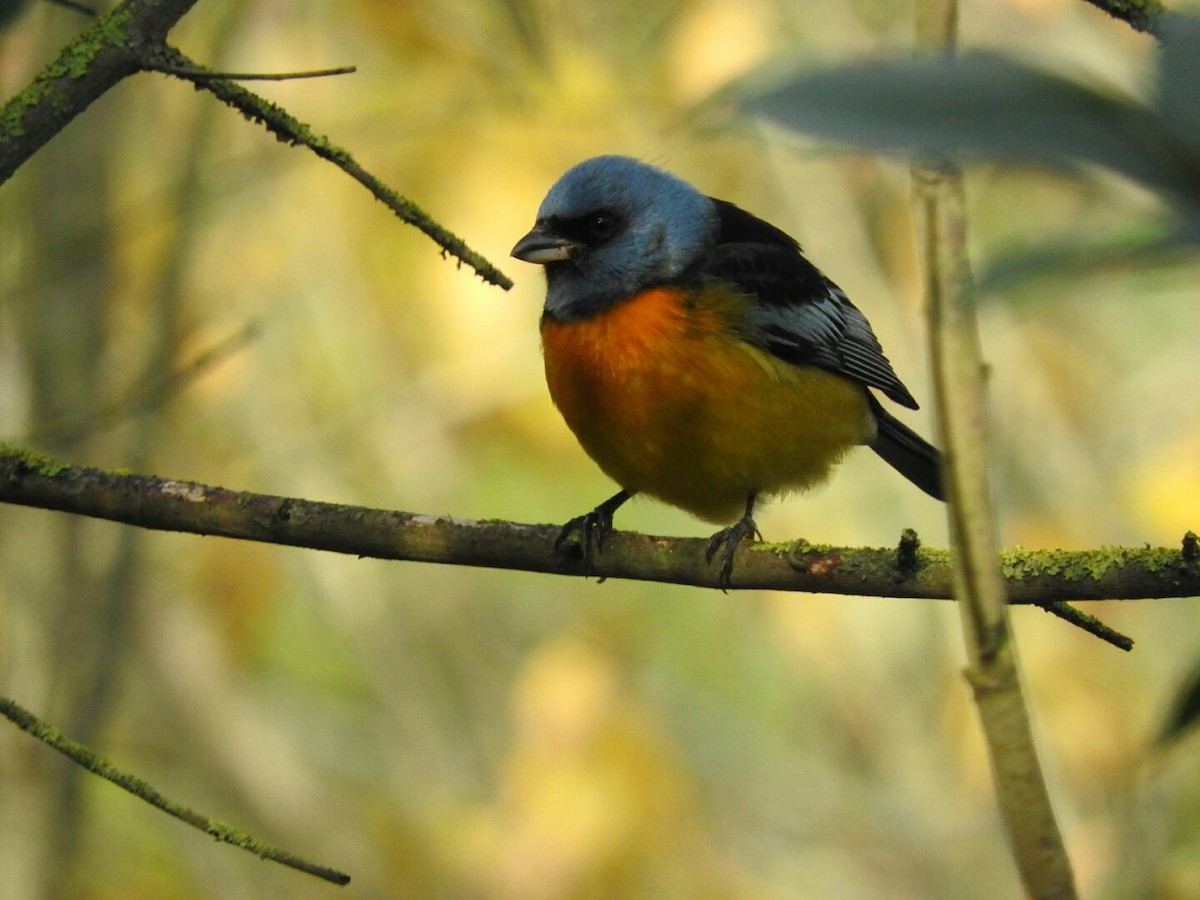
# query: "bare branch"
{"points": [[979, 584], [152, 393]]}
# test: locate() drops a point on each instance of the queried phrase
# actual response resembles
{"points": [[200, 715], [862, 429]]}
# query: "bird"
{"points": [[699, 357]]}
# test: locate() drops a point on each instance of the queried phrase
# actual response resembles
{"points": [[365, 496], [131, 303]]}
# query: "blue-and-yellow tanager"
{"points": [[698, 356]]}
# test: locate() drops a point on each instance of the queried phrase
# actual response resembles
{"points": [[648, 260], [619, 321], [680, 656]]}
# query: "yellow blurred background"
{"points": [[442, 732]]}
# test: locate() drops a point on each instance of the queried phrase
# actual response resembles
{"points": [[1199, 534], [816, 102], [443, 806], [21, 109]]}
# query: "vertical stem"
{"points": [[960, 392]]}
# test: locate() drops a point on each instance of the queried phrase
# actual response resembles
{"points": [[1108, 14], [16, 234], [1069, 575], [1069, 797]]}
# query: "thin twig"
{"points": [[290, 130], [194, 74], [85, 757], [1090, 624], [145, 397]]}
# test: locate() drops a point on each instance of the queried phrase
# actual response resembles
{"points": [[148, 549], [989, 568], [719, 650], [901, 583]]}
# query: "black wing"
{"points": [[801, 316]]}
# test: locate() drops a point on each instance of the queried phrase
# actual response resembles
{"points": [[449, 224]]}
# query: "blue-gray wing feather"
{"points": [[799, 315]]}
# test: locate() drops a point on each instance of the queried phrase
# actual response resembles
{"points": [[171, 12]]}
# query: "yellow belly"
{"points": [[669, 404]]}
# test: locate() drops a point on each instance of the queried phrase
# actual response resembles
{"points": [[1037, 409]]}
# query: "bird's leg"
{"points": [[593, 526], [729, 538]]}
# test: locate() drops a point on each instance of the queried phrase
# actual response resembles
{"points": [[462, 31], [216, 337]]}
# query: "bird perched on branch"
{"points": [[698, 357]]}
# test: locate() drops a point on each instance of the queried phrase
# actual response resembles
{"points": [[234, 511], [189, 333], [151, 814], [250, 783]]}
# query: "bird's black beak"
{"points": [[542, 246]]}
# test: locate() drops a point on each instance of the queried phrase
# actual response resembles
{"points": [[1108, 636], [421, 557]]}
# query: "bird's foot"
{"points": [[730, 538], [593, 527]]}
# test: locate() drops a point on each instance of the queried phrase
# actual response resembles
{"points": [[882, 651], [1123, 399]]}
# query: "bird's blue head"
{"points": [[611, 227]]}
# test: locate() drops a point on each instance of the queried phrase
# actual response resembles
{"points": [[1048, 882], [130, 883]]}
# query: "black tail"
{"points": [[907, 452]]}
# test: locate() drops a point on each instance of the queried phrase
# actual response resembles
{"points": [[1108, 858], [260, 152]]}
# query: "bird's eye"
{"points": [[601, 226]]}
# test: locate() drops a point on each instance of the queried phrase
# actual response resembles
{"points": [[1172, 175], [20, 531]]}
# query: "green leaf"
{"points": [[987, 107], [1139, 246], [1179, 77], [1185, 711]]}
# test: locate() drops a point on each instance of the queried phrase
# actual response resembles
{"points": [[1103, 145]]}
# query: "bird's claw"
{"points": [[593, 527], [730, 538]]}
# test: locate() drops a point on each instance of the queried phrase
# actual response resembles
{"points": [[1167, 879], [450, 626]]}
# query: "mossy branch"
{"points": [[287, 129], [1140, 15], [97, 765], [97, 60], [131, 38], [906, 571]]}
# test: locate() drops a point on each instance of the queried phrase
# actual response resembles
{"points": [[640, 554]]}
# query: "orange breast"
{"points": [[668, 401]]}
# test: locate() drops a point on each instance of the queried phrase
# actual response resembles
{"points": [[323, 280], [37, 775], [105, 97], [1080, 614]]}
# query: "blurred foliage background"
{"points": [[458, 733]]}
